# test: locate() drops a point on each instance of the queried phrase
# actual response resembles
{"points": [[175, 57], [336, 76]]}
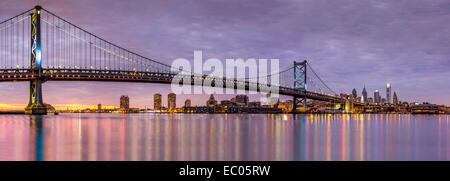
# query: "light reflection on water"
{"points": [[224, 137]]}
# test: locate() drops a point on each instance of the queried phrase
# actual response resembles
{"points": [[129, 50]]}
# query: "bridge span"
{"points": [[39, 46]]}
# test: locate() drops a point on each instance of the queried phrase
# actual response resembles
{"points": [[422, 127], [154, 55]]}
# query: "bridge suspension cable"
{"points": [[97, 50], [270, 75]]}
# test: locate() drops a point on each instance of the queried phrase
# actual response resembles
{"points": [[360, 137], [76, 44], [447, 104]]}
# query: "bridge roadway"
{"points": [[57, 74]]}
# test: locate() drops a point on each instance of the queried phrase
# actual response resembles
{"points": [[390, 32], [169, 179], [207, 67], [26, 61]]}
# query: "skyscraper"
{"points": [[172, 101], [376, 97], [395, 98], [354, 93], [124, 102], [187, 103], [157, 101], [388, 93], [364, 95]]}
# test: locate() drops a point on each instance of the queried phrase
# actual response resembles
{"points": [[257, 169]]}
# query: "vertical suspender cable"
{"points": [[90, 51], [23, 44], [46, 48], [65, 47], [95, 53]]}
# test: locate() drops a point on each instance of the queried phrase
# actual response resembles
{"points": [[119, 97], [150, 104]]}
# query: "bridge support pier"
{"points": [[299, 102], [36, 105]]}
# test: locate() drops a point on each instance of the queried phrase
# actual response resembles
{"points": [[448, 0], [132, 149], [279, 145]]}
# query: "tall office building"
{"points": [[157, 101], [187, 103], [124, 102], [172, 101], [354, 93], [376, 97], [395, 98], [364, 95], [388, 93]]}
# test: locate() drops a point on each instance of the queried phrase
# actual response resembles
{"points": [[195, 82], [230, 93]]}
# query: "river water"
{"points": [[149, 136]]}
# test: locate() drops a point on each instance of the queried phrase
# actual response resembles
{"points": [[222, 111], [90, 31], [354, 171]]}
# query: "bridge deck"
{"points": [[149, 77]]}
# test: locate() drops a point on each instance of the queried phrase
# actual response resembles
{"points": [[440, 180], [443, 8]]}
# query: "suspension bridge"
{"points": [[39, 46]]}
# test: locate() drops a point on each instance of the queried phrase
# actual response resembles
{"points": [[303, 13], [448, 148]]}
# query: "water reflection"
{"points": [[224, 137]]}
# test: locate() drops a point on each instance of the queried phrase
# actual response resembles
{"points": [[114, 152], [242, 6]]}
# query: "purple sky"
{"points": [[348, 42]]}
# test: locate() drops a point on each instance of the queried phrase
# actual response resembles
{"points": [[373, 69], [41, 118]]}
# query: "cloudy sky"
{"points": [[350, 43]]}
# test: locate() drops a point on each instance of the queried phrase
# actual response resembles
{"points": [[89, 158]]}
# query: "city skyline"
{"points": [[162, 98], [372, 62]]}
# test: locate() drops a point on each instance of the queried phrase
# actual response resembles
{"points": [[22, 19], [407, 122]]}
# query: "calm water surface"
{"points": [[224, 137]]}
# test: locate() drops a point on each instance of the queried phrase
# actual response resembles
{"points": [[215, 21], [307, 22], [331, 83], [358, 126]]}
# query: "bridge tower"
{"points": [[300, 84], [36, 105]]}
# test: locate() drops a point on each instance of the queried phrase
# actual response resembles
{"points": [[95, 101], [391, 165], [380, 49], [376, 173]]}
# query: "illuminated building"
{"points": [[364, 95], [286, 106], [354, 93], [254, 104], [242, 100], [395, 98], [211, 102], [388, 93], [172, 101], [376, 97], [99, 107], [226, 103], [124, 102], [157, 101], [187, 103], [233, 100], [271, 101], [349, 105]]}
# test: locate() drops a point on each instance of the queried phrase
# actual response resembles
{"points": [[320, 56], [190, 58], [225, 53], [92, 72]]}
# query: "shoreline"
{"points": [[23, 113]]}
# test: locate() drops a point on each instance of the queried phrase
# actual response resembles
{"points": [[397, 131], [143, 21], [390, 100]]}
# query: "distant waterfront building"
{"points": [[50, 108], [271, 101], [187, 103], [211, 102], [226, 103], [370, 100], [395, 98], [233, 100], [172, 101], [354, 93], [388, 93], [364, 95], [376, 97], [157, 102], [124, 102], [254, 104], [242, 100], [286, 106], [99, 107]]}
